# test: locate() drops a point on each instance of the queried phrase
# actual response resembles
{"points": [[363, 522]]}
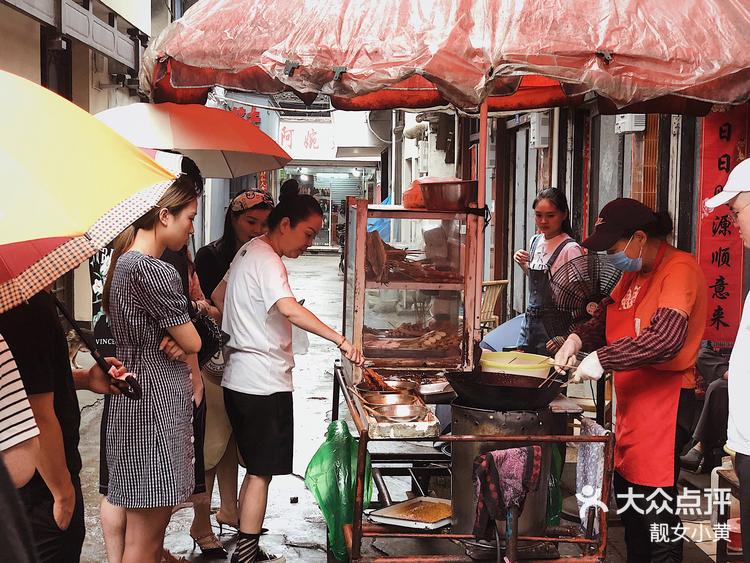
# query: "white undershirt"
{"points": [[259, 358], [546, 248]]}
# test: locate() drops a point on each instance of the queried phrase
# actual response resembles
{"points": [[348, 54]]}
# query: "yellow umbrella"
{"points": [[61, 168], [69, 186]]}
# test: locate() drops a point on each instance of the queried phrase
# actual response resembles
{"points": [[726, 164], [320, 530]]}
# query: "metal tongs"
{"points": [[570, 371]]}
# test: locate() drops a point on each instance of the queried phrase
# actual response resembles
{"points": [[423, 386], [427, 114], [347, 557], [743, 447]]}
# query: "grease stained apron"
{"points": [[647, 399]]}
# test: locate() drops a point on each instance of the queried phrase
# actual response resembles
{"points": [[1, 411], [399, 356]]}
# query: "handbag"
{"points": [[212, 337]]}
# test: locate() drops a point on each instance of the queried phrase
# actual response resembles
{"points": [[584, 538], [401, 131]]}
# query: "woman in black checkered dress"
{"points": [[149, 441]]}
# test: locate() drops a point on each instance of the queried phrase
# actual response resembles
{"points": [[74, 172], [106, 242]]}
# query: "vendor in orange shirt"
{"points": [[648, 333]]}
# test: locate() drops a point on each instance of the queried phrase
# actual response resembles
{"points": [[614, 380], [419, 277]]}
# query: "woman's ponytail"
{"points": [[664, 225], [659, 227], [122, 242], [182, 192], [294, 206]]}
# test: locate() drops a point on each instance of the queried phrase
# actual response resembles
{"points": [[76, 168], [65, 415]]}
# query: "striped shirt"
{"points": [[659, 342], [17, 422]]}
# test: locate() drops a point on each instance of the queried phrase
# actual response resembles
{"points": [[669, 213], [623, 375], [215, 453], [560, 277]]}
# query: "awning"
{"points": [[398, 53]]}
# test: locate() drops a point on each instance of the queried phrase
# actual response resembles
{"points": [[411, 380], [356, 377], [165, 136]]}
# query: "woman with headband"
{"points": [[245, 219], [259, 312]]}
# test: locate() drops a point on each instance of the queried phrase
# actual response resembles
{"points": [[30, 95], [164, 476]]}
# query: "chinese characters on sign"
{"points": [[286, 137], [253, 116], [308, 140], [311, 139], [263, 181], [720, 250]]}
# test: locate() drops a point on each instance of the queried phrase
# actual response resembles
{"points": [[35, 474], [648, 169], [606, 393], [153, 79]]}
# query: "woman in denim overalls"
{"points": [[551, 247]]}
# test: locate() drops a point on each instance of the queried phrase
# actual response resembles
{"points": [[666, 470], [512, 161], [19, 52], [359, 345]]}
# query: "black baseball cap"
{"points": [[617, 219]]}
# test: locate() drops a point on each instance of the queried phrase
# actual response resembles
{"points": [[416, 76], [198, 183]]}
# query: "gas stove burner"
{"points": [[467, 421], [483, 550], [464, 404]]}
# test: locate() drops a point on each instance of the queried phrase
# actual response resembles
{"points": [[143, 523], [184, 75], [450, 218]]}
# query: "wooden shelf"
{"points": [[399, 212], [435, 286]]}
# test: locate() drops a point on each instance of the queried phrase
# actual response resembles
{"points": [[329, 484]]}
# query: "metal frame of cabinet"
{"points": [[358, 212]]}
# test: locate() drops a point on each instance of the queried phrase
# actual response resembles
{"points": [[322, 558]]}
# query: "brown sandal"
{"points": [[234, 526]]}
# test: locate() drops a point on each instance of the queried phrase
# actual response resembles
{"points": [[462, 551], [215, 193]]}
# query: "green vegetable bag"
{"points": [[330, 477]]}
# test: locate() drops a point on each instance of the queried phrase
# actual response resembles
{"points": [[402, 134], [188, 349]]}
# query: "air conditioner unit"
{"points": [[630, 123], [539, 135]]}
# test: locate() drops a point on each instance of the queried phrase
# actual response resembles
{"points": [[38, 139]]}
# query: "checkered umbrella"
{"points": [[28, 267], [70, 185]]}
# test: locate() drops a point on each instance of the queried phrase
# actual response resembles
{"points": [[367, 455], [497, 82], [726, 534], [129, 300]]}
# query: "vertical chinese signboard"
{"points": [[263, 181], [720, 251]]}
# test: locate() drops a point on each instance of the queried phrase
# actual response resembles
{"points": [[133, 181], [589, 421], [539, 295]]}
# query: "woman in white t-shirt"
{"points": [[259, 309], [552, 247]]}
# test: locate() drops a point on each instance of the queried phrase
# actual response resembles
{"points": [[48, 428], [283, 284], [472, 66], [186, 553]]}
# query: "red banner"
{"points": [[720, 250], [263, 181]]}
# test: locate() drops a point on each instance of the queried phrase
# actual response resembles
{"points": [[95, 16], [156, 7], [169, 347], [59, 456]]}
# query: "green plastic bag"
{"points": [[330, 477]]}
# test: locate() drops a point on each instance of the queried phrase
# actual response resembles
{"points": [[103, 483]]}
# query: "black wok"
{"points": [[502, 391]]}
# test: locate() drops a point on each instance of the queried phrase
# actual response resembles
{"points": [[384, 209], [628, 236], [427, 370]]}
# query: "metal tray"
{"points": [[434, 393], [381, 429], [437, 388], [410, 353], [388, 515]]}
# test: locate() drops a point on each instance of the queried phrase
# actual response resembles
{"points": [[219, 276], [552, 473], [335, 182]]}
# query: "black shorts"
{"points": [[199, 431], [53, 544], [263, 427]]}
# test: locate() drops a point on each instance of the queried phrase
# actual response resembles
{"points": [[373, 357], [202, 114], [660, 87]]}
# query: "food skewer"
{"points": [[375, 380]]}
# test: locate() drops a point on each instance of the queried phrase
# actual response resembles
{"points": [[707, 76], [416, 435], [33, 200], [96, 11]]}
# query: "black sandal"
{"points": [[210, 546]]}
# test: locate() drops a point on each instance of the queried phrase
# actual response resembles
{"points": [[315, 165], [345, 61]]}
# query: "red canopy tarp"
{"points": [[402, 53]]}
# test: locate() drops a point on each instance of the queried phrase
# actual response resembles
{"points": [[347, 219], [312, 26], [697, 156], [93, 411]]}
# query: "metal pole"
{"points": [[555, 133], [383, 494], [600, 399], [609, 466], [482, 163], [359, 497], [564, 438], [511, 535], [481, 201], [336, 391]]}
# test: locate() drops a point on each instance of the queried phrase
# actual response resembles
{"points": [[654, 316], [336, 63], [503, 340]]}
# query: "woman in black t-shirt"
{"points": [[245, 219]]}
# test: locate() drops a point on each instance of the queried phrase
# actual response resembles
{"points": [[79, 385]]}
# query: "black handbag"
{"points": [[212, 337]]}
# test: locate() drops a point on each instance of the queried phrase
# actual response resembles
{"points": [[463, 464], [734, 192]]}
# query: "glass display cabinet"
{"points": [[410, 291]]}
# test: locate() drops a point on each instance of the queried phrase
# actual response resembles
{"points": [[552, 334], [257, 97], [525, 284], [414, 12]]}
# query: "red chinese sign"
{"points": [[311, 139], [586, 187], [263, 181], [253, 116], [286, 137], [720, 250]]}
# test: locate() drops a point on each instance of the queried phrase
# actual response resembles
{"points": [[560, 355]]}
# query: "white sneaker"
{"points": [[263, 556]]}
